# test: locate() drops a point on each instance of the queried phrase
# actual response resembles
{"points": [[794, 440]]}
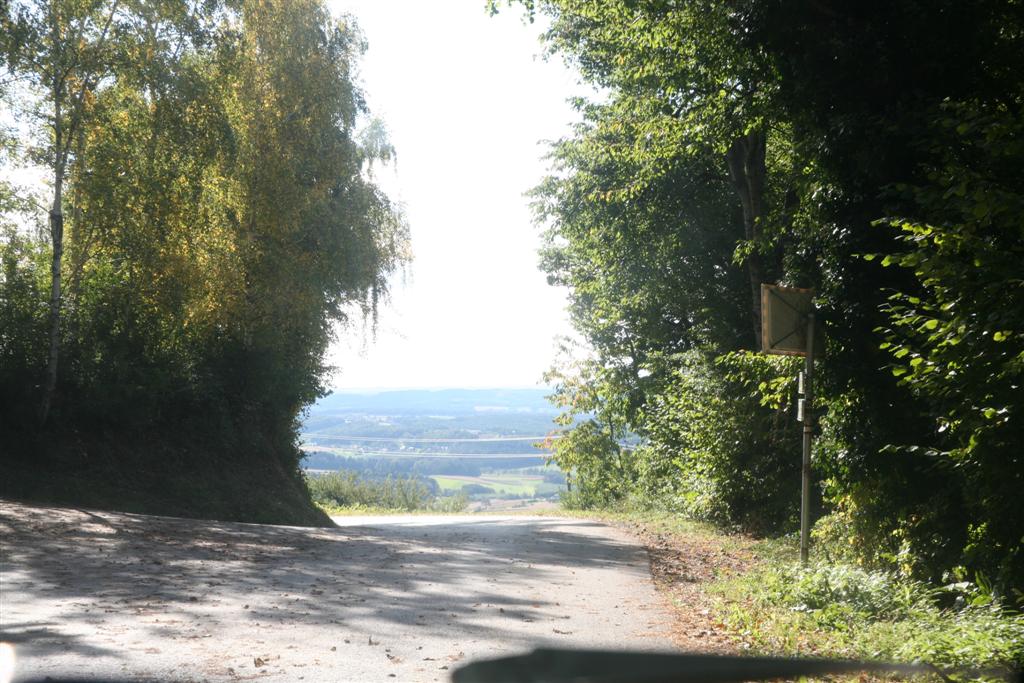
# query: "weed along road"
{"points": [[404, 598]]}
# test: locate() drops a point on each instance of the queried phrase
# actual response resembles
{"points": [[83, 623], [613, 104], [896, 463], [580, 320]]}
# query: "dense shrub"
{"points": [[723, 443], [897, 197], [599, 471], [476, 489]]}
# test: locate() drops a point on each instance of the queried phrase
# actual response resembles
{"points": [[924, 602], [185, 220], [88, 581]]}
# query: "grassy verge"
{"points": [[733, 593], [843, 611]]}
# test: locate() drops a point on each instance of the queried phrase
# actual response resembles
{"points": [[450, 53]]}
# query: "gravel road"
{"points": [[403, 598]]}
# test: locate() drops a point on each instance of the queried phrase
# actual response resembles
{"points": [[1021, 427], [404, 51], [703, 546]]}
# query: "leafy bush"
{"points": [[723, 444], [825, 588], [598, 470], [22, 321], [476, 489], [454, 503], [956, 335], [576, 499]]}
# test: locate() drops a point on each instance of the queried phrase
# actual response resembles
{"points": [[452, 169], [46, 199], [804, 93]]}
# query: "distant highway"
{"points": [[414, 454], [488, 439]]}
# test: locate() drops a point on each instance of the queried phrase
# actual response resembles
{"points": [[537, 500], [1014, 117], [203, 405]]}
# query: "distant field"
{"points": [[508, 484]]}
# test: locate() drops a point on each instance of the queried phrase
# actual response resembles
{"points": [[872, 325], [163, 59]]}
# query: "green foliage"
{"points": [[918, 477], [644, 228], [649, 271], [595, 405], [957, 336], [834, 589], [598, 469], [22, 323], [844, 611], [783, 140], [454, 503], [407, 494], [221, 220], [719, 442], [722, 441]]}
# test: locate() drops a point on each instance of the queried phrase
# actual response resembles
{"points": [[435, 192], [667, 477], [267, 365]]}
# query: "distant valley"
{"points": [[485, 444]]}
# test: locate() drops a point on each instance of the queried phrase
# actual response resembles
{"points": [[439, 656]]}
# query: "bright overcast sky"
{"points": [[467, 100]]}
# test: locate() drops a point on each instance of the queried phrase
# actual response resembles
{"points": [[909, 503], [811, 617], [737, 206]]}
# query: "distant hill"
{"points": [[439, 431], [437, 402]]}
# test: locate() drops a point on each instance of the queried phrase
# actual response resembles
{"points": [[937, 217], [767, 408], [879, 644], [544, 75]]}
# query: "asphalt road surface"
{"points": [[405, 598]]}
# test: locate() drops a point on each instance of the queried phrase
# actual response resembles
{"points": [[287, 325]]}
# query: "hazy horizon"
{"points": [[384, 390], [467, 101]]}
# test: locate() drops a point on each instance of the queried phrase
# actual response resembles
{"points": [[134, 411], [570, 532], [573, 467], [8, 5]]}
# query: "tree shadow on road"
{"points": [[182, 578]]}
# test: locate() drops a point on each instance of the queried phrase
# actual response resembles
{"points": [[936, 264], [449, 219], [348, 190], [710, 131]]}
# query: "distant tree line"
{"points": [[871, 151], [382, 466], [209, 217]]}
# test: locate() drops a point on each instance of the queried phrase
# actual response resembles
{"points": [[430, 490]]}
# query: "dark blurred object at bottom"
{"points": [[600, 666]]}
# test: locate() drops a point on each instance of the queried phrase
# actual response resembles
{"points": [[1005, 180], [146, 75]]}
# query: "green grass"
{"points": [[828, 610], [849, 612], [508, 484]]}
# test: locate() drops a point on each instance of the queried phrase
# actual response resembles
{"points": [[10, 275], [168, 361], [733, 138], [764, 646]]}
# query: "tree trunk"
{"points": [[57, 239], [65, 58], [746, 160]]}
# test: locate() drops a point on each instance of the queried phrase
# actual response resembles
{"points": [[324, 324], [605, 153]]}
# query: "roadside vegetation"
{"points": [[206, 219], [736, 593], [847, 611], [348, 493], [739, 144]]}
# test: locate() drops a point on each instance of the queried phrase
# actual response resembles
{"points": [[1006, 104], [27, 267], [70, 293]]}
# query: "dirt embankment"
{"points": [[182, 475]]}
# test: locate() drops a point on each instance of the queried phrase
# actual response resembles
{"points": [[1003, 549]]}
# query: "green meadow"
{"points": [[501, 484]]}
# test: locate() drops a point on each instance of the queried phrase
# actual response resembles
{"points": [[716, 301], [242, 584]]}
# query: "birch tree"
{"points": [[61, 50]]}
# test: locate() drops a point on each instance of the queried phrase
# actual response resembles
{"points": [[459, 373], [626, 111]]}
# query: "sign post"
{"points": [[808, 419], [788, 328]]}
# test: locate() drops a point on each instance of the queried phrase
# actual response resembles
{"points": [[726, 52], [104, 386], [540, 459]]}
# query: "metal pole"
{"points": [[805, 483]]}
